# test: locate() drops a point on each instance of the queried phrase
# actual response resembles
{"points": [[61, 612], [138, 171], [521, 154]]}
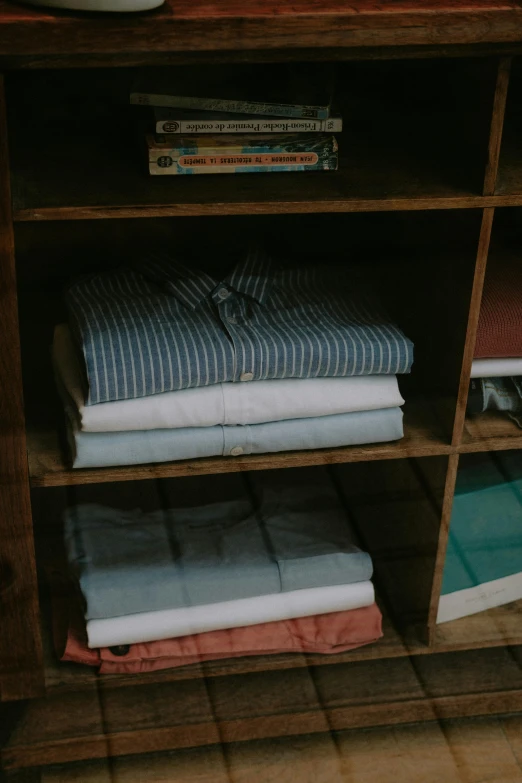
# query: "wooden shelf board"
{"points": [[258, 24], [490, 431], [497, 627], [47, 467], [116, 190], [280, 204], [101, 722]]}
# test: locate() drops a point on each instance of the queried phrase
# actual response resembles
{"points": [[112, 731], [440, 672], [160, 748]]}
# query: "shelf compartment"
{"points": [[426, 158], [49, 505], [101, 722], [406, 289]]}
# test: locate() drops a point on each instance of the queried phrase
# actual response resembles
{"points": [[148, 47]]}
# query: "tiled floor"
{"points": [[459, 751]]}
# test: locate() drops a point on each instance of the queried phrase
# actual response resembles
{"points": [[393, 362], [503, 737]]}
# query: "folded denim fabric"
{"points": [[128, 562], [221, 403], [496, 368], [496, 394], [151, 626], [326, 634], [135, 447], [165, 326]]}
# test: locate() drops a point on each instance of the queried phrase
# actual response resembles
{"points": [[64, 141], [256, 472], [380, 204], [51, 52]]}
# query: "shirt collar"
{"points": [[191, 285], [252, 276]]}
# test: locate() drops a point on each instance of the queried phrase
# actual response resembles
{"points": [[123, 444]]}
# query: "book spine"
{"points": [[234, 107], [241, 163], [201, 126]]}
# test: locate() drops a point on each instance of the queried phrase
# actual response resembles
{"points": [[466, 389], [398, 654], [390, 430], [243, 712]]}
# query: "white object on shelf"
{"points": [[118, 6]]}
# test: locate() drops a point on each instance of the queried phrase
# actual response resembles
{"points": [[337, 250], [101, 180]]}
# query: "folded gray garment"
{"points": [[130, 561], [496, 394], [134, 447]]}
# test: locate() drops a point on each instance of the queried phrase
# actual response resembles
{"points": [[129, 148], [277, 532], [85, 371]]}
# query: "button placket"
{"points": [[226, 307], [232, 312], [236, 441]]}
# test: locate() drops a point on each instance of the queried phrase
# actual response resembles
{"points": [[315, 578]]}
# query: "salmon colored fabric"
{"points": [[499, 331], [325, 633]]}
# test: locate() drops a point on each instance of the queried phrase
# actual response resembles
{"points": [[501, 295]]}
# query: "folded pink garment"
{"points": [[324, 633], [499, 332]]}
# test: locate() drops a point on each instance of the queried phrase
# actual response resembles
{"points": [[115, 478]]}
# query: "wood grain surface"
{"points": [[456, 751], [472, 319], [100, 723], [497, 124], [259, 24]]}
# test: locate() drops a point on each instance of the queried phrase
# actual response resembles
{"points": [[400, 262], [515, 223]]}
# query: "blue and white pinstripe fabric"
{"points": [[165, 327]]}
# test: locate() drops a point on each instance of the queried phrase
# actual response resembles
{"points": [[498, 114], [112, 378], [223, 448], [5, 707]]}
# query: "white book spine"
{"points": [[201, 126]]}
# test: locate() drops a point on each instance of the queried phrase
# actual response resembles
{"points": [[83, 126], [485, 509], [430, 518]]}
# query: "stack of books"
{"points": [[217, 127]]}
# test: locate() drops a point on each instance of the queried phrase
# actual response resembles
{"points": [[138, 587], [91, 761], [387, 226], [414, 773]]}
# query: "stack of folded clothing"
{"points": [[496, 373], [163, 362], [169, 588]]}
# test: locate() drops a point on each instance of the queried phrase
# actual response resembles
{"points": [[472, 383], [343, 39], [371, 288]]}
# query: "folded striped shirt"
{"points": [[164, 327], [221, 403]]}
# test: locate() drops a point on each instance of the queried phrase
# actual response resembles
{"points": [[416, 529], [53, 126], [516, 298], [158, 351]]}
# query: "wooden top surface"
{"points": [[203, 25]]}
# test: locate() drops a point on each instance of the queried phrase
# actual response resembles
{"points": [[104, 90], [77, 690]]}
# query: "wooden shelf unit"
{"points": [[430, 163]]}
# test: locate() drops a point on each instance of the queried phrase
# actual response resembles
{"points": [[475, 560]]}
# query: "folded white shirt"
{"points": [[496, 368], [170, 623], [252, 402]]}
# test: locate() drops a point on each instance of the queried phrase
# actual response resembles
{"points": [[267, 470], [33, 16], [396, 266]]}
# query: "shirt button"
{"points": [[246, 376], [231, 319], [236, 451], [223, 293], [120, 649]]}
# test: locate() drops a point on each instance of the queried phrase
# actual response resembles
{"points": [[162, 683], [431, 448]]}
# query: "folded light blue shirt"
{"points": [[135, 447], [130, 561]]}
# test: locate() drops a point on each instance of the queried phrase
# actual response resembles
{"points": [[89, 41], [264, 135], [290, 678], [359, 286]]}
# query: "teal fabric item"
{"points": [[485, 540]]}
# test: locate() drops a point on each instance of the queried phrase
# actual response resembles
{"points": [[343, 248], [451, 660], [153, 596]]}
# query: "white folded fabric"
{"points": [[170, 623], [253, 402], [496, 368]]}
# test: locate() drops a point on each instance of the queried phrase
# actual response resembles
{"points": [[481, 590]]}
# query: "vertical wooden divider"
{"points": [[497, 124], [21, 667], [494, 146], [449, 491], [471, 331]]}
